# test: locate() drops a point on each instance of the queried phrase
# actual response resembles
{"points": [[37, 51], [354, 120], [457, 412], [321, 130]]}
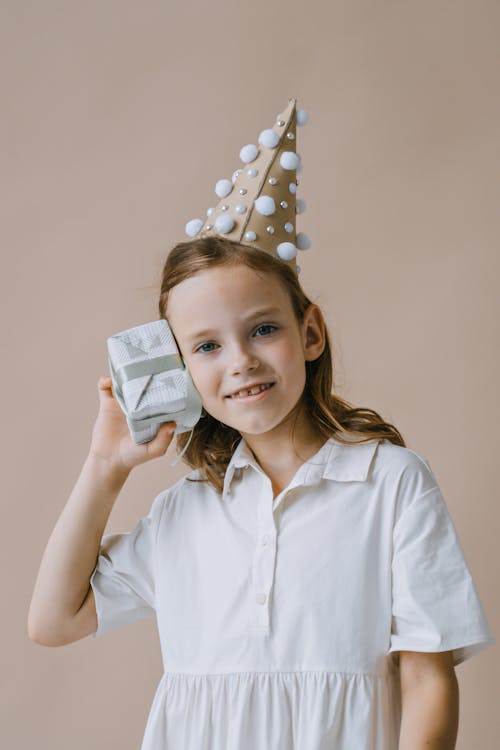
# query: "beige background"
{"points": [[117, 119]]}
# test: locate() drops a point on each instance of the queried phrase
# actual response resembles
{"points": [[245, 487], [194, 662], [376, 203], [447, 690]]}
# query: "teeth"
{"points": [[252, 391]]}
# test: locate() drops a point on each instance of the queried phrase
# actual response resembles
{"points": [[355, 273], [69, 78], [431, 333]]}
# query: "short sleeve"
{"points": [[123, 580], [435, 604]]}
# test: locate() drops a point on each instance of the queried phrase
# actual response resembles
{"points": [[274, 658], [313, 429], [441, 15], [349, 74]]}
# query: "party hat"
{"points": [[258, 206]]}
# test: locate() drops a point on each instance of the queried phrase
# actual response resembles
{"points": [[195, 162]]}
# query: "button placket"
{"points": [[264, 562]]}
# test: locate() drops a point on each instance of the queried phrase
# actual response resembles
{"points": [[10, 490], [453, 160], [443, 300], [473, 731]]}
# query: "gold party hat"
{"points": [[258, 205]]}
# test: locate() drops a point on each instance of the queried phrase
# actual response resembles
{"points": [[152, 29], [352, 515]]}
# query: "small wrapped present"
{"points": [[150, 380]]}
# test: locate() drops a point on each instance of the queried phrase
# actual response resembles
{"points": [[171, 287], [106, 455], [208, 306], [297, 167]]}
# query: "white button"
{"points": [[260, 598], [265, 539]]}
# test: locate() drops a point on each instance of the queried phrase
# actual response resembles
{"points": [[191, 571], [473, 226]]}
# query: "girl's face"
{"points": [[234, 328]]}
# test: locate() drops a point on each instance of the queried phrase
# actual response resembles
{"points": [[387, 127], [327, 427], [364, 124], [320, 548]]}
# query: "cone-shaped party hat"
{"points": [[258, 205]]}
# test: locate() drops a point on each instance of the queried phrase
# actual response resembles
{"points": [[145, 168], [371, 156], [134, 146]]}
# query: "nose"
{"points": [[243, 359]]}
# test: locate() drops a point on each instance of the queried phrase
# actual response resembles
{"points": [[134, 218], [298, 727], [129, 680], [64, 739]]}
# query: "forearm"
{"points": [[71, 552], [430, 711]]}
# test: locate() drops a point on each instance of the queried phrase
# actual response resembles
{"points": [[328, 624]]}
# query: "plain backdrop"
{"points": [[117, 118]]}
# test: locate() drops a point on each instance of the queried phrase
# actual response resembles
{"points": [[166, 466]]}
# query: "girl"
{"points": [[308, 584], [305, 552]]}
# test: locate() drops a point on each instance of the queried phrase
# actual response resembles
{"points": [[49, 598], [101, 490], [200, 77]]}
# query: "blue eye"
{"points": [[210, 343], [267, 325], [199, 348]]}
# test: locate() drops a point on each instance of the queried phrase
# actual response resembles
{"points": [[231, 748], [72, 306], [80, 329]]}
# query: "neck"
{"points": [[282, 450]]}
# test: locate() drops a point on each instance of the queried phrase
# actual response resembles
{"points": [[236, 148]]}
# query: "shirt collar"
{"points": [[334, 460]]}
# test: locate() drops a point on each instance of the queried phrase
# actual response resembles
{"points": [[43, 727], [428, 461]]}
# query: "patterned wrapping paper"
{"points": [[150, 381]]}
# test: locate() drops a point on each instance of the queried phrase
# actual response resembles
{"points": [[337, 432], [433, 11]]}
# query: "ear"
{"points": [[313, 333]]}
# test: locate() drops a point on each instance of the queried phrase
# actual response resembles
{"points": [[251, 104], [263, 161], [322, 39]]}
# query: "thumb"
{"points": [[104, 387]]}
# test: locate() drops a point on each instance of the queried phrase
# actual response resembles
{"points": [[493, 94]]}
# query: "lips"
{"points": [[249, 388]]}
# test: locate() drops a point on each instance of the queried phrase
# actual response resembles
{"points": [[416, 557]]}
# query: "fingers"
{"points": [[104, 386], [159, 445], [156, 447], [166, 431]]}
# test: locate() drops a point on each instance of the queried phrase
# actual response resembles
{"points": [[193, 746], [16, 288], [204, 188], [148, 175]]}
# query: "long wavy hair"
{"points": [[212, 442]]}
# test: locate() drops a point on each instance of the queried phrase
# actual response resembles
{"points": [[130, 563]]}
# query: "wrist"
{"points": [[113, 473]]}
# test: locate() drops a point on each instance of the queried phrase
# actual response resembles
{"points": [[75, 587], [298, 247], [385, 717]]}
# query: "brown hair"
{"points": [[212, 442]]}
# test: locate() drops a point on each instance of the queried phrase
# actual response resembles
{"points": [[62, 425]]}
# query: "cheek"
{"points": [[291, 355], [202, 377], [293, 368], [194, 371]]}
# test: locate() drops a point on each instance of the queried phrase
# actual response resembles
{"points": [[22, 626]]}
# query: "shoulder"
{"points": [[186, 487], [383, 456], [403, 466], [406, 476], [400, 457]]}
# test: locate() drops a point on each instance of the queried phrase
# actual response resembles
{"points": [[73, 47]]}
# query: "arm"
{"points": [[430, 701], [70, 556], [62, 607]]}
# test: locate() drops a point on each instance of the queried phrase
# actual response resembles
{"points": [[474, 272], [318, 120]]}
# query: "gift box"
{"points": [[150, 380]]}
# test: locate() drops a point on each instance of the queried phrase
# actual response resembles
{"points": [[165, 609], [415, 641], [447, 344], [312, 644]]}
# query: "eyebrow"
{"points": [[256, 314]]}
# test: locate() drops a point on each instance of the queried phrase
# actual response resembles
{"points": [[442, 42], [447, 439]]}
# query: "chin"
{"points": [[257, 426]]}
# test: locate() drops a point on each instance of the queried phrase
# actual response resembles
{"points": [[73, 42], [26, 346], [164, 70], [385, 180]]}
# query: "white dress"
{"points": [[278, 618]]}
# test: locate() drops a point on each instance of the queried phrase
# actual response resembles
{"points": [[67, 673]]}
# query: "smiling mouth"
{"points": [[247, 394]]}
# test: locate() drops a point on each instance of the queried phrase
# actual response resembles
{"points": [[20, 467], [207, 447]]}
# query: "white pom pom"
{"points": [[248, 153], [288, 227], [286, 250], [210, 211], [224, 223], [193, 227], [302, 117], [303, 242], [293, 187], [250, 236], [289, 160], [223, 188], [240, 208], [300, 206], [265, 205], [269, 138]]}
